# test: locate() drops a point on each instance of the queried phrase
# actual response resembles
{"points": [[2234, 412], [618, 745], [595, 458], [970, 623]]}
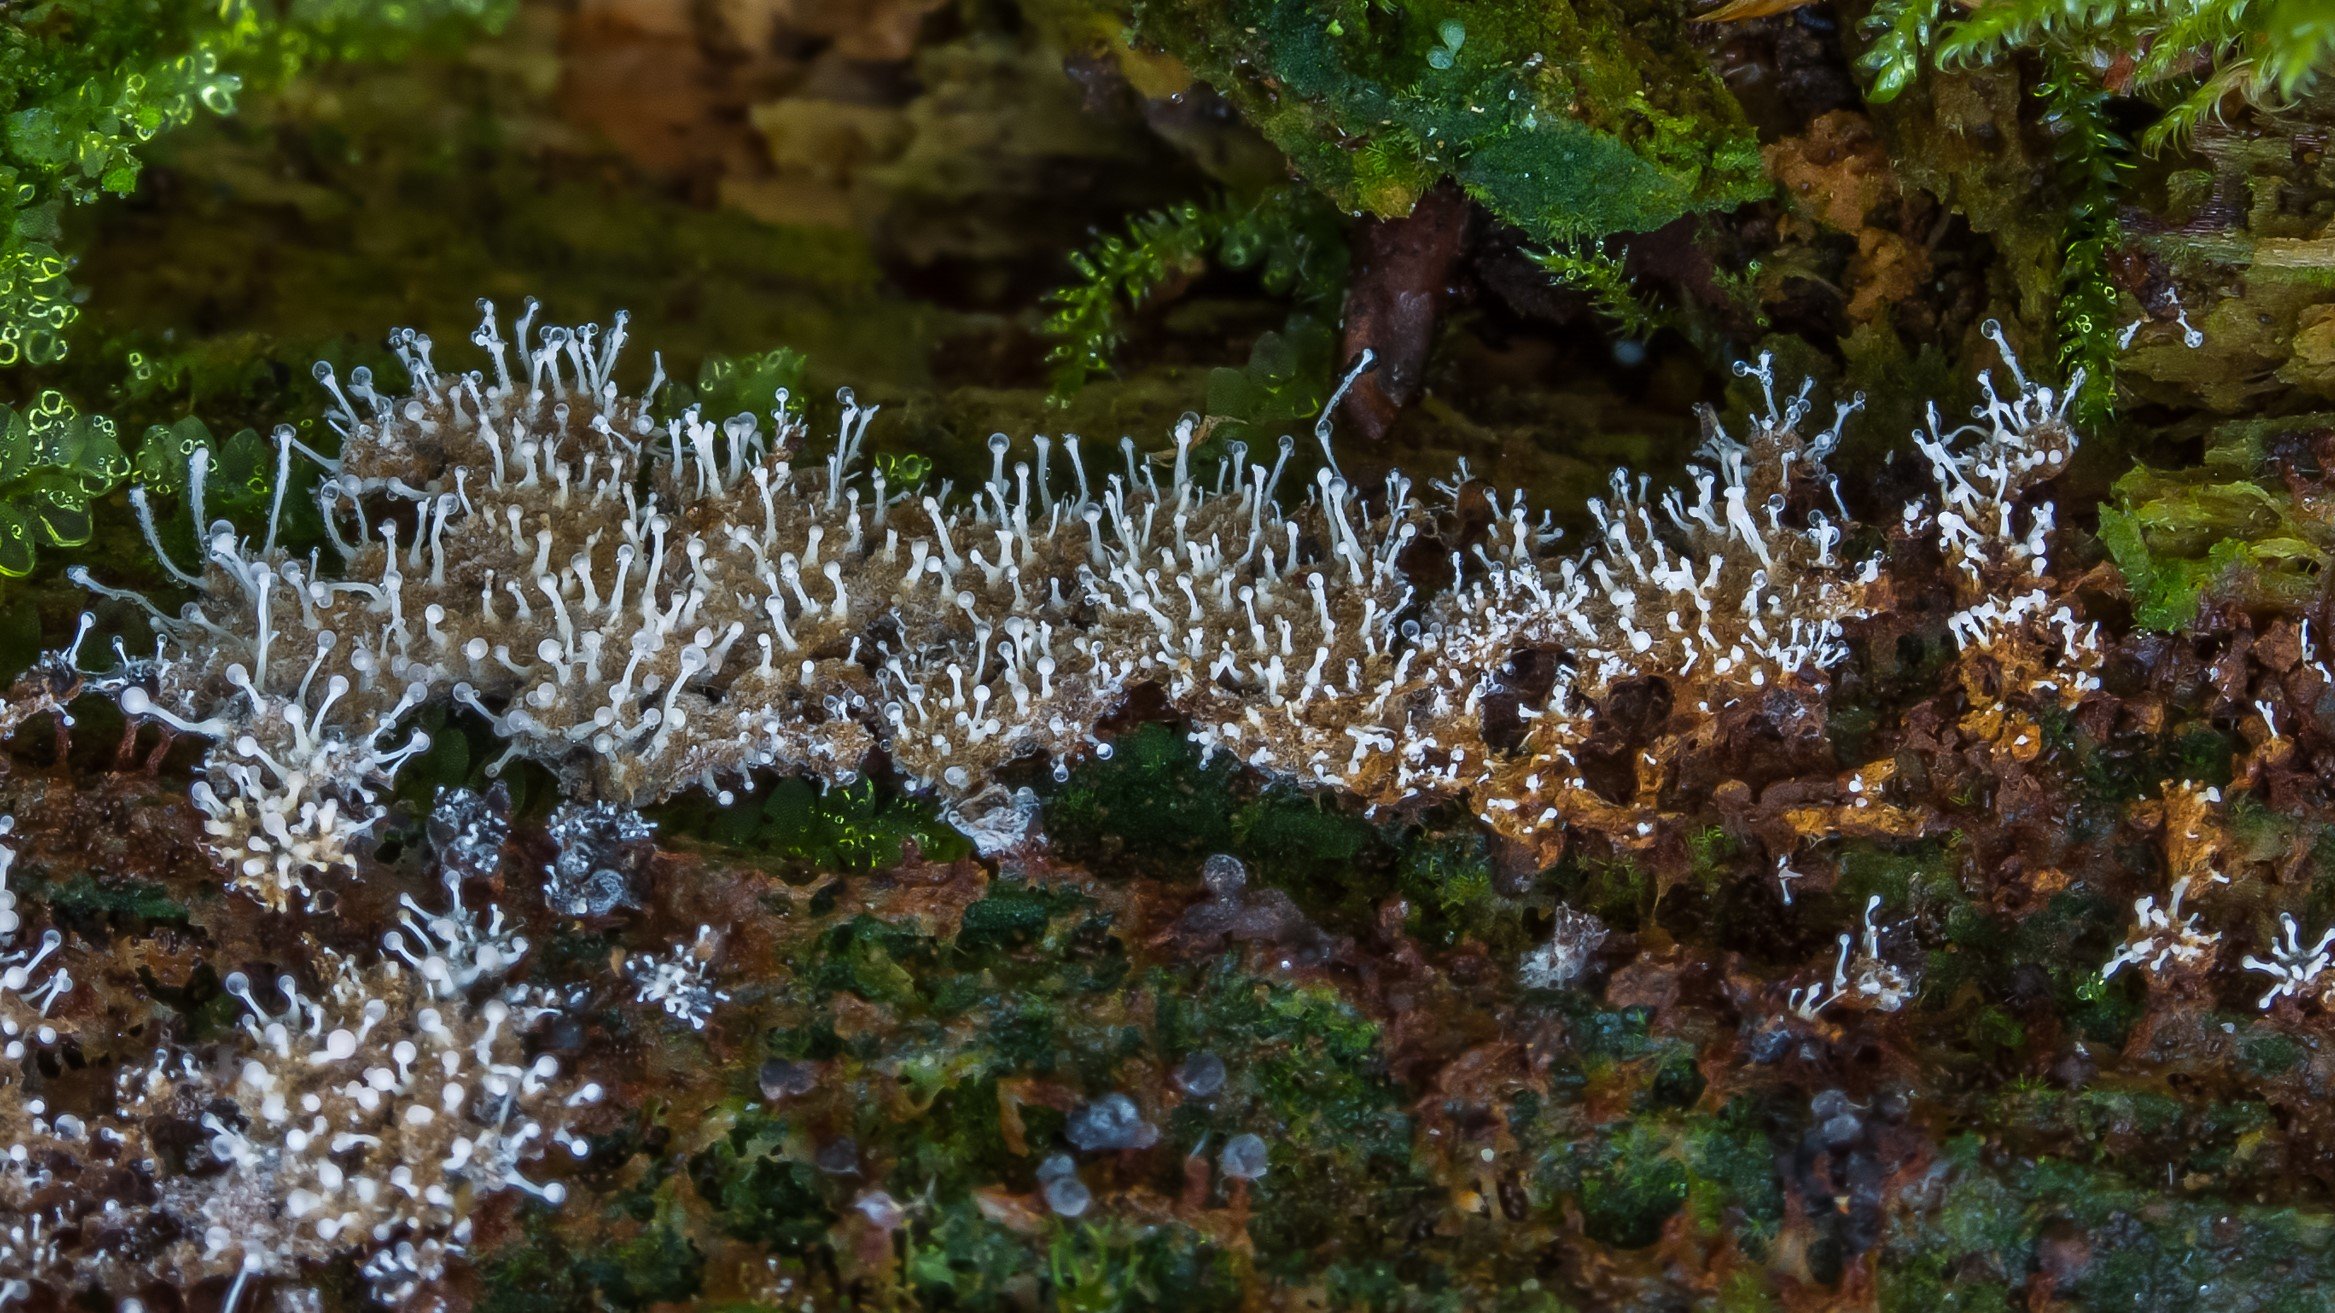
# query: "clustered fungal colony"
{"points": [[646, 605], [364, 1120]]}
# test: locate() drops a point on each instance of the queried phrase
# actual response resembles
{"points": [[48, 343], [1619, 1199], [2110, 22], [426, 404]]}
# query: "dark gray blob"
{"points": [[603, 858], [882, 1209], [781, 1079], [1260, 916], [838, 1157], [467, 831], [1110, 1122], [1225, 875], [1771, 1045], [1840, 1132], [1244, 1157], [1200, 1074], [1068, 1196]]}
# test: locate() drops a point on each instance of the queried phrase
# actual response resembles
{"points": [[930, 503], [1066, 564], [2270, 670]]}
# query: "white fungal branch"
{"points": [[1867, 978], [2291, 967], [1997, 544], [679, 980], [2163, 939], [10, 918], [363, 1120], [30, 985]]}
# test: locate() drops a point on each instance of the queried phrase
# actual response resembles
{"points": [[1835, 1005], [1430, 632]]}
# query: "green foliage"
{"points": [[962, 1259], [1626, 1199], [2179, 536], [1107, 1267], [1901, 32], [1588, 268], [1284, 385], [161, 463], [1569, 120], [2150, 1248], [2198, 54], [1013, 916], [53, 462], [84, 901], [731, 385], [1289, 238], [757, 1191], [2090, 156], [659, 1266], [85, 84], [2193, 57], [1448, 881], [1303, 1052]]}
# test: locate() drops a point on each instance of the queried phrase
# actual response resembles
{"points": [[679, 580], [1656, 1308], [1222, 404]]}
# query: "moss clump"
{"points": [[1569, 120], [2181, 537], [855, 827], [757, 1192], [85, 901], [1626, 1199], [2108, 1243], [1153, 801]]}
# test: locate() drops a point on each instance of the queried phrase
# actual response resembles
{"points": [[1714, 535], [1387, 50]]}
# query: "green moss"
{"points": [[1599, 1034], [855, 827], [1303, 1052], [658, 1266], [1591, 270], [859, 956], [1922, 876], [1011, 916], [756, 1191], [1314, 846], [2180, 537], [1626, 1199], [2091, 159], [533, 1277], [1447, 879], [1616, 891], [1102, 1267], [1677, 1082], [1292, 241], [86, 901], [1733, 1184], [2140, 1247], [1569, 120], [959, 1258], [2195, 54], [1151, 802]]}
